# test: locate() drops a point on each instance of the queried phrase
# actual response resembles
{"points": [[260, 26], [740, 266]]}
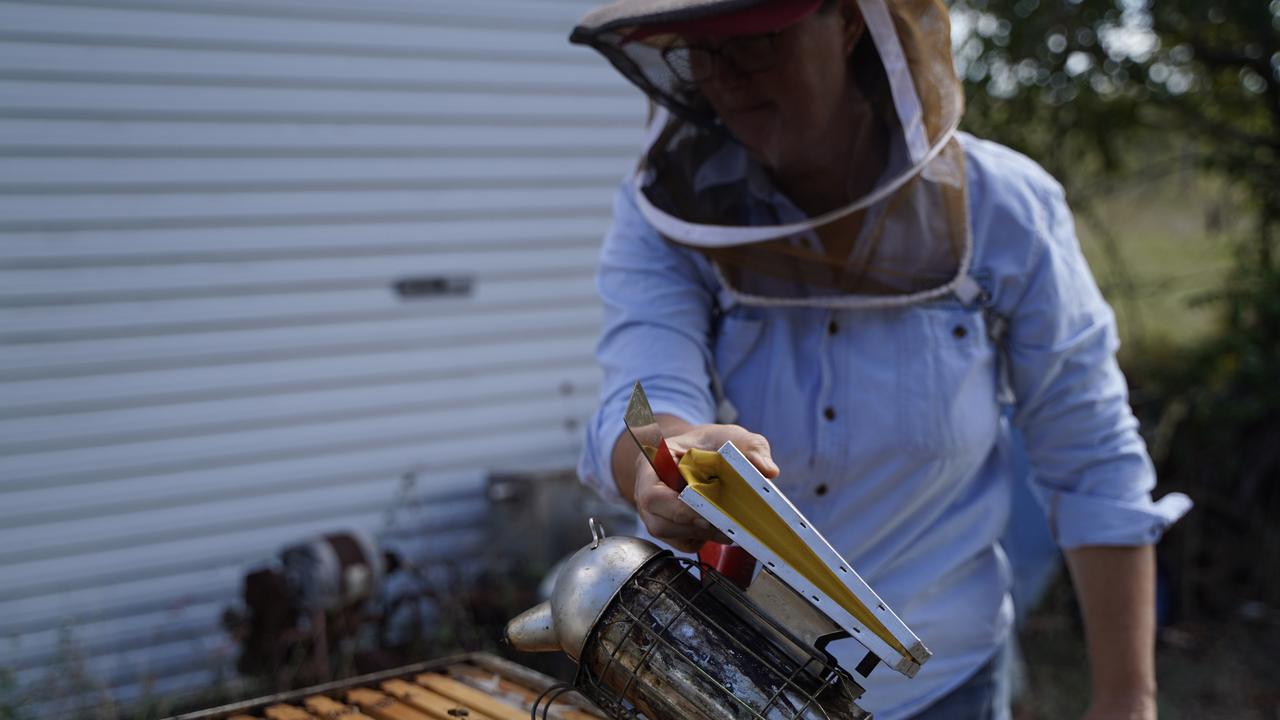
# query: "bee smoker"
{"points": [[667, 638]]}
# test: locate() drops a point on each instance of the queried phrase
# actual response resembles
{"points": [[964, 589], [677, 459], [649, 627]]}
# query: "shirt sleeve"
{"points": [[657, 322], [1091, 468]]}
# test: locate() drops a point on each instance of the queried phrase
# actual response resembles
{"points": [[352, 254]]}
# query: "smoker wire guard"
{"points": [[824, 672]]}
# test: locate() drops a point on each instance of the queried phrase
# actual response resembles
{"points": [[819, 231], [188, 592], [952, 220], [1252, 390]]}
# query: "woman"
{"points": [[811, 262]]}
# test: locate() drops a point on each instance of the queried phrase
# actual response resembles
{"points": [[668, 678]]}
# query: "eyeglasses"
{"points": [[748, 54]]}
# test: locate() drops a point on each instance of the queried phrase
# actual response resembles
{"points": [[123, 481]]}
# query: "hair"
{"points": [[868, 72]]}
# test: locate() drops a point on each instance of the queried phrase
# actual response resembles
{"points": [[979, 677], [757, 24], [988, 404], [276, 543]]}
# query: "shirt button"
{"points": [[959, 331], [833, 327], [829, 413], [820, 490]]}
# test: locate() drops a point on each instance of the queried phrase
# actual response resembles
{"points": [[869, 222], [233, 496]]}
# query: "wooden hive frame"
{"points": [[474, 686]]}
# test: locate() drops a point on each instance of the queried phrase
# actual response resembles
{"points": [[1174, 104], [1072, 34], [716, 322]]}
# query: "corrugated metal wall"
{"points": [[205, 209]]}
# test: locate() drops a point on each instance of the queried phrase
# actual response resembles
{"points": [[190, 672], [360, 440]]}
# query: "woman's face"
{"points": [[785, 114]]}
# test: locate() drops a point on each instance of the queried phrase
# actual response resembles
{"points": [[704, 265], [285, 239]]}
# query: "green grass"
{"points": [[1159, 251], [1221, 669]]}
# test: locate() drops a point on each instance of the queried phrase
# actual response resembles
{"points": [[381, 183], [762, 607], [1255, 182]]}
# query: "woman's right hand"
{"points": [[659, 506]]}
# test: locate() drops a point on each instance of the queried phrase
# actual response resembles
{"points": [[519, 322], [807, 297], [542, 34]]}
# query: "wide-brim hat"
{"points": [[753, 19]]}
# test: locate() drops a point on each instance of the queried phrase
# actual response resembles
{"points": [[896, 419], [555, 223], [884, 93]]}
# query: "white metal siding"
{"points": [[204, 207]]}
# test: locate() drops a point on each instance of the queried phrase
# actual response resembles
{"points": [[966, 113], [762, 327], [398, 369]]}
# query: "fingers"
{"points": [[719, 537], [655, 498], [684, 546], [666, 517], [684, 536], [660, 508], [757, 450], [664, 504], [710, 437], [694, 545]]}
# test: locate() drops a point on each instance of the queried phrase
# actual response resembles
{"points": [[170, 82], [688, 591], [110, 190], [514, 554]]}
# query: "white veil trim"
{"points": [[905, 99], [718, 236]]}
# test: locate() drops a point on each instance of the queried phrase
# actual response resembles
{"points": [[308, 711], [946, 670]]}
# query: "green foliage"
{"points": [[1108, 91], [1217, 414], [1099, 87]]}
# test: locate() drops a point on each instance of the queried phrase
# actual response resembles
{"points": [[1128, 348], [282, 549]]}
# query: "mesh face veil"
{"points": [[907, 235]]}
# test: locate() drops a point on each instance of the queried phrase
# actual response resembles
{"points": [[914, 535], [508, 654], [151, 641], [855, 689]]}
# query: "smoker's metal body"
{"points": [[666, 638]]}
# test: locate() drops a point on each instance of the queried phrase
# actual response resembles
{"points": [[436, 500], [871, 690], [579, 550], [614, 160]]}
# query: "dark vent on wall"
{"points": [[436, 286]]}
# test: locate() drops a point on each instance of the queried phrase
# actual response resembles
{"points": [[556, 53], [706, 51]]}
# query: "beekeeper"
{"points": [[809, 260]]}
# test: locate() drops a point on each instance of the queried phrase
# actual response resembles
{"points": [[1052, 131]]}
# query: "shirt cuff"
{"points": [[1080, 520], [595, 467]]}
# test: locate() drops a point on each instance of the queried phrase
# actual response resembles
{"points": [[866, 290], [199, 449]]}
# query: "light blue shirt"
{"points": [[885, 422]]}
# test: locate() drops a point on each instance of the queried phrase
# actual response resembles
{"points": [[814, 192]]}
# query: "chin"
{"points": [[763, 150], [770, 156], [760, 138]]}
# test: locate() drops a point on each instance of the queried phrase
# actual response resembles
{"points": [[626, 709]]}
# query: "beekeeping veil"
{"points": [[908, 234]]}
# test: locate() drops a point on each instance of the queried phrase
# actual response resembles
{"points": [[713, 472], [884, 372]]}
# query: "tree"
{"points": [[1102, 89], [1077, 84]]}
